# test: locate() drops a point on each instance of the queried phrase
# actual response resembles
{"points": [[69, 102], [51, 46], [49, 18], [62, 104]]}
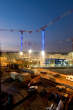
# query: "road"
{"points": [[50, 75]]}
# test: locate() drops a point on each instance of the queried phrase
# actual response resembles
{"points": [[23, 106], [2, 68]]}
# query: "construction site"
{"points": [[27, 81], [35, 74]]}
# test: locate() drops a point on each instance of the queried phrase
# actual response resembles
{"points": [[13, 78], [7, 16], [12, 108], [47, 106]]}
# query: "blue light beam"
{"points": [[21, 49], [43, 40]]}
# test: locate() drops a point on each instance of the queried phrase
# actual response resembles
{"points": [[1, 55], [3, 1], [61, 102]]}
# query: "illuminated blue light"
{"points": [[21, 43], [43, 40]]}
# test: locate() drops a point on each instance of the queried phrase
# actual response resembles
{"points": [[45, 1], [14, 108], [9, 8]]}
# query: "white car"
{"points": [[69, 77], [35, 87]]}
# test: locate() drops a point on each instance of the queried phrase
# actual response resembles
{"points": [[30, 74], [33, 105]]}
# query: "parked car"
{"points": [[56, 75], [32, 89], [69, 77]]}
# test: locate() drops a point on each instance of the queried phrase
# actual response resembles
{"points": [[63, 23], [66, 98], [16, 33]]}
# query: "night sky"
{"points": [[33, 14]]}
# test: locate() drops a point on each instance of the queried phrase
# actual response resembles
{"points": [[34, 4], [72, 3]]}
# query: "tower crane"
{"points": [[43, 28], [21, 31]]}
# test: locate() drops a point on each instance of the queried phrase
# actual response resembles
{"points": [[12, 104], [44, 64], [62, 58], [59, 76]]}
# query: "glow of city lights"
{"points": [[30, 51], [43, 53], [72, 54], [21, 53]]}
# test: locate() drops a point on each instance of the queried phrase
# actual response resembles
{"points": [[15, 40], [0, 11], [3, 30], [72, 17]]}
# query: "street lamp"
{"points": [[21, 53], [43, 53], [29, 51]]}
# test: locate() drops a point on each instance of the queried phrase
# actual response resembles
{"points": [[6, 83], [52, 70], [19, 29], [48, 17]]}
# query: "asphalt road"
{"points": [[50, 75]]}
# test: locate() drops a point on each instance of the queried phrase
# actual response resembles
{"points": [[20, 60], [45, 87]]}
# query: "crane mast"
{"points": [[21, 37]]}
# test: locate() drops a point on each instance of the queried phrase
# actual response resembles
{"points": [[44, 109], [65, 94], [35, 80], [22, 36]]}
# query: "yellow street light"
{"points": [[30, 51], [21, 53]]}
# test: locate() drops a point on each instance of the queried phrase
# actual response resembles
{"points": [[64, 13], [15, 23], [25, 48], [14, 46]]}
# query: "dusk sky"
{"points": [[31, 15]]}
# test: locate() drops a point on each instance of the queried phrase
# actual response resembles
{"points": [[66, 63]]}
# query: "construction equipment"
{"points": [[21, 31], [43, 28]]}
